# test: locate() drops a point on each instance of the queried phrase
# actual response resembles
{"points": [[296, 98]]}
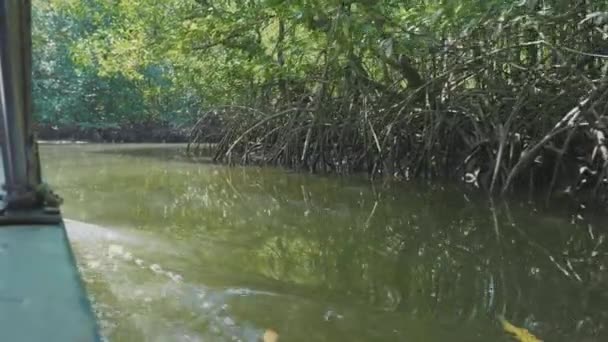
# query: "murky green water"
{"points": [[178, 251]]}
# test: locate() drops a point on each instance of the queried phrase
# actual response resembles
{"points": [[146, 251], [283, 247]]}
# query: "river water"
{"points": [[176, 250]]}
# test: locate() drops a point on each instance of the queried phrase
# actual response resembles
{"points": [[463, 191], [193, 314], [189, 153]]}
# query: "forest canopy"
{"points": [[500, 94]]}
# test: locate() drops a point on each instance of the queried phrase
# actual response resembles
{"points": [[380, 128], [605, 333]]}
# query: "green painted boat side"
{"points": [[42, 297]]}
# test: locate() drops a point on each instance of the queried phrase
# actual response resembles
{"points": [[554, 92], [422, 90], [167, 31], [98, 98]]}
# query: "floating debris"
{"points": [[331, 315]]}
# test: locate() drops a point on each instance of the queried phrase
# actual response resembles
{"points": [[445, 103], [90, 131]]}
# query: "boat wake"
{"points": [[137, 298]]}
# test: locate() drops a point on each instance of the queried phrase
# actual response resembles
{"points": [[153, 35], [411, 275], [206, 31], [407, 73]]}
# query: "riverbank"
{"points": [[126, 133]]}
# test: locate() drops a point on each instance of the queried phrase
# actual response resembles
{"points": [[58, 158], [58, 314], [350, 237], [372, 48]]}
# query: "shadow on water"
{"points": [[165, 152], [205, 252]]}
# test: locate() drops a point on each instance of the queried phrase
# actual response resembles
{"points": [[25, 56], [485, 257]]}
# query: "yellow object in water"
{"points": [[520, 334], [270, 336]]}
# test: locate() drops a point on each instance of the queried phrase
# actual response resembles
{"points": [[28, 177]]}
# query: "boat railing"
{"points": [[20, 159]]}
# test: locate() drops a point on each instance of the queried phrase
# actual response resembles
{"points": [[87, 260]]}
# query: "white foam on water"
{"points": [[87, 233], [115, 250], [175, 277], [229, 321], [79, 231], [240, 291], [156, 268], [127, 256]]}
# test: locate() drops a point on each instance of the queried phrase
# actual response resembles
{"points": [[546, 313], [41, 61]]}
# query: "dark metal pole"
{"points": [[19, 150]]}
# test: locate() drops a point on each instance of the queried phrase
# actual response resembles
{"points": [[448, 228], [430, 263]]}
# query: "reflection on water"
{"points": [[179, 251]]}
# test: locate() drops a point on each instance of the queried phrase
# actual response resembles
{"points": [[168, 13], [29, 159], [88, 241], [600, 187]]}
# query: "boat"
{"points": [[42, 295]]}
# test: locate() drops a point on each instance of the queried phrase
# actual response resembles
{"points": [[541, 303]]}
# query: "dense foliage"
{"points": [[69, 91], [499, 93]]}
